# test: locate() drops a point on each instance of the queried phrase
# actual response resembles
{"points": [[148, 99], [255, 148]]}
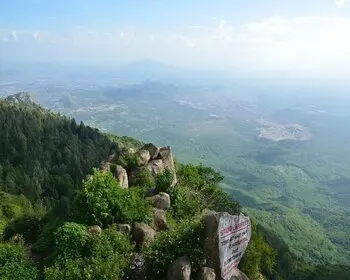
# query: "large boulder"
{"points": [[143, 157], [179, 270], [122, 177], [155, 166], [142, 233], [153, 150], [166, 155], [235, 233], [211, 242], [160, 201], [206, 273], [160, 223]]}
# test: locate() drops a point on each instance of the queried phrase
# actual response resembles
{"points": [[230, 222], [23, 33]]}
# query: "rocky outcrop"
{"points": [[142, 234], [153, 150], [122, 177], [206, 273], [160, 222], [160, 201], [166, 155], [156, 160], [143, 157], [211, 249], [179, 270], [155, 166]]}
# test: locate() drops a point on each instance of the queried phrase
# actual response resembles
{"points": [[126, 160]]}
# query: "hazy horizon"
{"points": [[294, 39]]}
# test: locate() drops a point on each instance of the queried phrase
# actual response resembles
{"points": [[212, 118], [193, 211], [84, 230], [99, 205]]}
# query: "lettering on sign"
{"points": [[234, 235]]}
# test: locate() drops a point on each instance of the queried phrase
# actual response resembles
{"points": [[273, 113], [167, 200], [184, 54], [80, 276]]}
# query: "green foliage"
{"points": [[29, 226], [14, 264], [107, 257], [259, 258], [143, 178], [129, 161], [108, 203], [13, 207], [44, 155], [163, 181], [183, 240], [71, 239], [197, 189]]}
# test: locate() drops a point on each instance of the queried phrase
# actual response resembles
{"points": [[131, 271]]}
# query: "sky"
{"points": [[309, 38]]}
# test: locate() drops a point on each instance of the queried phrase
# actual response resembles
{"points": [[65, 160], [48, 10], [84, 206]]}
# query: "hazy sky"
{"points": [[308, 37]]}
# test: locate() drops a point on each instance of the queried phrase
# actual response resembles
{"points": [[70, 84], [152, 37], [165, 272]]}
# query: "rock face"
{"points": [[122, 177], [235, 233], [153, 150], [143, 157], [160, 201], [179, 270], [160, 223], [168, 162], [211, 241], [155, 166], [157, 160], [142, 233], [206, 273]]}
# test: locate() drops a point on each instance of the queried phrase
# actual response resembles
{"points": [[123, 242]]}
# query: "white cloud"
{"points": [[340, 3], [308, 45]]}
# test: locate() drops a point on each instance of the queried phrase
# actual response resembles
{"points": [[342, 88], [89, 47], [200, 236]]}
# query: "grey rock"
{"points": [[143, 156], [122, 177], [206, 273], [166, 155], [160, 201], [155, 166], [160, 222], [153, 150], [142, 233], [179, 270], [211, 248]]}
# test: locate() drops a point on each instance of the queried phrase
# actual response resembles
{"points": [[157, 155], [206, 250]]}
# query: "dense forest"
{"points": [[48, 202]]}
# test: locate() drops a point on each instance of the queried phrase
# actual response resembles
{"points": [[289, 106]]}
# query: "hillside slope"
{"points": [[44, 158]]}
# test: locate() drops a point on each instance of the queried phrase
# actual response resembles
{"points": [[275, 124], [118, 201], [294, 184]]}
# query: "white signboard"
{"points": [[234, 235]]}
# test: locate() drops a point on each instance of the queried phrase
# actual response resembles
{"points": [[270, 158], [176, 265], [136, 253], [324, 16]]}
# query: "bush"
{"points": [[29, 226], [101, 201], [71, 240], [14, 264], [258, 258], [163, 181], [108, 256], [144, 179], [186, 239]]}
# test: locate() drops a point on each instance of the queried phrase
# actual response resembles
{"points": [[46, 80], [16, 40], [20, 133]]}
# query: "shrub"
{"points": [[108, 257], [14, 263], [184, 240], [101, 201], [143, 179], [71, 240], [163, 181], [29, 226]]}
